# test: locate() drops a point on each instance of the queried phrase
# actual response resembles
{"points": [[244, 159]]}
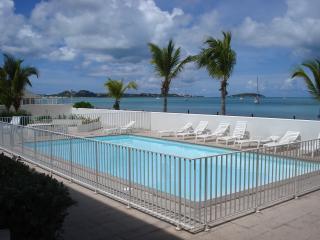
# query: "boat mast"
{"points": [[257, 96]]}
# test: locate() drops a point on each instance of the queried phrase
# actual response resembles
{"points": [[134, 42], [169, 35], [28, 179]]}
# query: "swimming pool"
{"points": [[193, 171]]}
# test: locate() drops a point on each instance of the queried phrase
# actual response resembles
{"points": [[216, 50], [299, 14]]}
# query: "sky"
{"points": [[79, 44]]}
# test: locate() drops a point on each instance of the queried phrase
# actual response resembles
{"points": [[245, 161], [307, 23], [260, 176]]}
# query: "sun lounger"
{"points": [[200, 129], [257, 142], [187, 127], [310, 147], [288, 138], [220, 131], [239, 133], [15, 120], [110, 130], [127, 128]]}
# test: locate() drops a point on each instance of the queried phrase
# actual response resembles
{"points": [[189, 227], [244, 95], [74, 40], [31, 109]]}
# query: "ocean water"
{"points": [[300, 108]]}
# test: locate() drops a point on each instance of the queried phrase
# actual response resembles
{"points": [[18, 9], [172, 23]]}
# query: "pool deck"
{"points": [[96, 217]]}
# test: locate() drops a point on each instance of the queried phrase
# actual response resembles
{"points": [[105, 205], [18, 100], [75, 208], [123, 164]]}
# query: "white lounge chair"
{"points": [[187, 127], [220, 131], [288, 138], [239, 132], [15, 120], [200, 129], [111, 130], [258, 141], [127, 128], [312, 147]]}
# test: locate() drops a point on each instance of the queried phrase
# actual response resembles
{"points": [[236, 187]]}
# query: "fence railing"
{"points": [[190, 193]]}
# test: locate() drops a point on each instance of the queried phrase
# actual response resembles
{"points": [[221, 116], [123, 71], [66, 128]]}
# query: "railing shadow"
{"points": [[97, 217]]}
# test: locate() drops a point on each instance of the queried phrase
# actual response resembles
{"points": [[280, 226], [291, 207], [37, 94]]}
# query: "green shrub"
{"points": [[18, 113], [82, 105], [32, 205], [86, 120]]}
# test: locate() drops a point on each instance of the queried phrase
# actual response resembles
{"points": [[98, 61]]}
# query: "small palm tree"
{"points": [[16, 78], [116, 89], [168, 65], [219, 59], [312, 82]]}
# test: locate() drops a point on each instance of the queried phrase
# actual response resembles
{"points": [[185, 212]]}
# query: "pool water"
{"points": [[162, 165], [179, 149]]}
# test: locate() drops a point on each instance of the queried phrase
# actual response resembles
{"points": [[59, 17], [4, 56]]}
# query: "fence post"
{"points": [[129, 176], [35, 144], [295, 179], [51, 154], [22, 140], [180, 200], [97, 167], [206, 227], [71, 167], [257, 183]]}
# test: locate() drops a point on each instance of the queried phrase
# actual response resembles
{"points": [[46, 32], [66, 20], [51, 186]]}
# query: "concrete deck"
{"points": [[96, 217]]}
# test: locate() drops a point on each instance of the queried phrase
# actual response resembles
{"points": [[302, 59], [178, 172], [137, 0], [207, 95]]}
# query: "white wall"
{"points": [[48, 109], [262, 127], [258, 127]]}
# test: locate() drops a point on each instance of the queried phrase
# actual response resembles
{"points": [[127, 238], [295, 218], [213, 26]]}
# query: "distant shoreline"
{"points": [[86, 93]]}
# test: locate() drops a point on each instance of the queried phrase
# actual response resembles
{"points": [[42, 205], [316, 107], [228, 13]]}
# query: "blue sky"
{"points": [[79, 44]]}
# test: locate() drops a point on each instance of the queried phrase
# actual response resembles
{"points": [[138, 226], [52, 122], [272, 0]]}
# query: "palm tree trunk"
{"points": [[223, 96], [164, 92], [165, 102], [17, 104], [116, 105]]}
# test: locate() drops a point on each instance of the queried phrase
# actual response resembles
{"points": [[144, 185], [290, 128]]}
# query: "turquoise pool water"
{"points": [[154, 167], [164, 146]]}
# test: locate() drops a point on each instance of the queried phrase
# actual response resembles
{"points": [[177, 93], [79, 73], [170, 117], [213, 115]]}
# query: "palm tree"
{"points": [[5, 90], [16, 79], [219, 60], [116, 89], [312, 82], [167, 64]]}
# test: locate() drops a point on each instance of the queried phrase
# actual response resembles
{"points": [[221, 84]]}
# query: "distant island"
{"points": [[86, 93], [251, 95]]}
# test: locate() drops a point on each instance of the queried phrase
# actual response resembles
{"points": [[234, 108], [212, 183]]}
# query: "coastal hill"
{"points": [[86, 93], [247, 95]]}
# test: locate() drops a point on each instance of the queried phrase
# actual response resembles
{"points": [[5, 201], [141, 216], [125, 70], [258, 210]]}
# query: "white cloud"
{"points": [[297, 28], [63, 54]]}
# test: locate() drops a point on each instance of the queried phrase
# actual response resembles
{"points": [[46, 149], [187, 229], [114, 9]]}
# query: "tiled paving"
{"points": [[96, 217]]}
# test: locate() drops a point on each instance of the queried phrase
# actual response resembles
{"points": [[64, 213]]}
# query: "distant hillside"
{"points": [[86, 93], [247, 95]]}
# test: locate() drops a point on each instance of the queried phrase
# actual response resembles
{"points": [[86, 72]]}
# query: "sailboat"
{"points": [[257, 98]]}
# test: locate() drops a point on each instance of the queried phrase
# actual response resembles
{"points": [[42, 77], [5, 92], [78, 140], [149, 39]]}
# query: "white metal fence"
{"points": [[191, 193]]}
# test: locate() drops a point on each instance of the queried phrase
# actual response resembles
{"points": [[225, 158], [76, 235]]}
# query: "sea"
{"points": [[274, 107]]}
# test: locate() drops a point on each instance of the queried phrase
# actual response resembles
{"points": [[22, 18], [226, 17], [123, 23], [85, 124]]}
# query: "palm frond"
{"points": [[313, 85], [167, 63]]}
